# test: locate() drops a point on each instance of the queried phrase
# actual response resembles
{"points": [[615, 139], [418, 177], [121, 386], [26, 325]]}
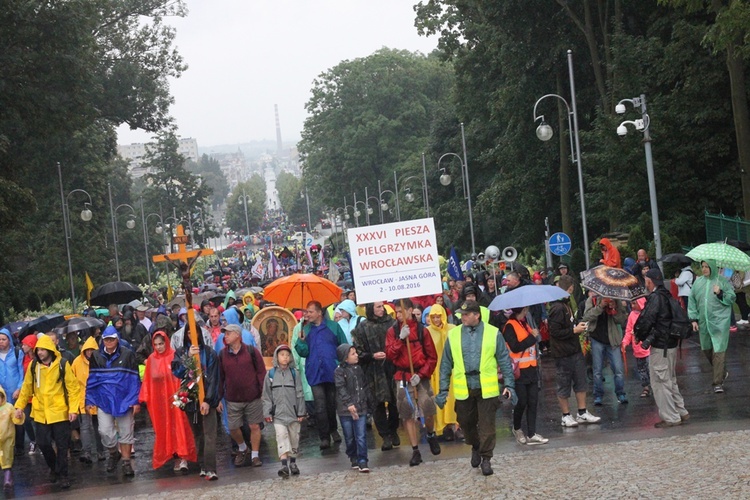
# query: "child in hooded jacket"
{"points": [[352, 405], [7, 441], [641, 354], [284, 405]]}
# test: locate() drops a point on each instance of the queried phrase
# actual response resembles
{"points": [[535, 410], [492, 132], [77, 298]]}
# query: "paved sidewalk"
{"points": [[713, 465]]}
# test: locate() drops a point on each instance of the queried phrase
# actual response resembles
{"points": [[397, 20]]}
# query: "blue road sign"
{"points": [[559, 244]]}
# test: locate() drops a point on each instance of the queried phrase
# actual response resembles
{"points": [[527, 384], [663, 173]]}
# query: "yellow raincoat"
{"points": [[81, 371], [447, 415], [7, 432], [49, 399]]}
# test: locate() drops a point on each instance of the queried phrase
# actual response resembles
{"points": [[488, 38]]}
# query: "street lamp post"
{"points": [[307, 200], [544, 132], [426, 194], [370, 211], [643, 125], [245, 200], [145, 240], [409, 196], [85, 216], [445, 179], [384, 204], [130, 225], [355, 212]]}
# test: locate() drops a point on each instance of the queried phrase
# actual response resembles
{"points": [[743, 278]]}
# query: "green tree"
{"points": [[254, 190], [209, 170]]}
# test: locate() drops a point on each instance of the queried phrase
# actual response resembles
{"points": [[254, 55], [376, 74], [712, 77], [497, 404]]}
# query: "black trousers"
{"points": [[528, 399], [741, 300], [324, 399], [476, 416], [59, 432], [386, 419]]}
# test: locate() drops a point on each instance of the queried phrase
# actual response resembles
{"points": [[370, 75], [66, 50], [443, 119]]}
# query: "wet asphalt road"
{"points": [[710, 412]]}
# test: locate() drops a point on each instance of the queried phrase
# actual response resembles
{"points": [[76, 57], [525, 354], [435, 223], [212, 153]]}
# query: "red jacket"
{"points": [[423, 354]]}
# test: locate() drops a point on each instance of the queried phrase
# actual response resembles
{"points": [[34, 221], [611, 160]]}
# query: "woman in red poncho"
{"points": [[171, 426]]}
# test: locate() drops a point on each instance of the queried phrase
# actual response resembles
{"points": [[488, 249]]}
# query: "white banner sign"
{"points": [[395, 261]]}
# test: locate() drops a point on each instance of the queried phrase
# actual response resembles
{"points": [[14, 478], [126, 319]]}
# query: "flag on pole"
{"points": [[89, 288], [258, 270], [322, 257], [275, 265], [309, 256], [454, 265], [170, 293]]}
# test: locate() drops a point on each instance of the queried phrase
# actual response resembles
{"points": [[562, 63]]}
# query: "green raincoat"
{"points": [[299, 362], [714, 315]]}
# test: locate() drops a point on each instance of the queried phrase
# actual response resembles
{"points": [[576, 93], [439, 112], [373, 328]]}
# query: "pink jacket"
{"points": [[629, 338]]}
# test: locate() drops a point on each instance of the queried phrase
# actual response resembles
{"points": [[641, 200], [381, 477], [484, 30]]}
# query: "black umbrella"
{"points": [[78, 324], [42, 324], [15, 327], [676, 258], [116, 292], [742, 245]]}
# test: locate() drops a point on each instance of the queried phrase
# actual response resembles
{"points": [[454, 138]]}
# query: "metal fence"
{"points": [[720, 227]]}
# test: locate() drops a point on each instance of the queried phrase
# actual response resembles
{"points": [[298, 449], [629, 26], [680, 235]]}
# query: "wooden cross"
{"points": [[184, 260]]}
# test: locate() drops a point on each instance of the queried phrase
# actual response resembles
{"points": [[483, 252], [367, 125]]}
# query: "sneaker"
{"points": [[53, 477], [294, 469], [598, 401], [486, 467], [396, 440], [742, 322], [448, 434], [127, 469], [520, 437], [184, 465], [536, 439], [325, 444], [203, 473], [476, 459], [416, 458], [64, 482], [662, 424], [568, 421], [387, 444], [239, 459], [718, 389], [434, 445], [112, 461], [685, 417], [459, 435], [336, 437], [176, 467], [363, 467], [211, 476], [732, 329], [76, 446], [32, 448], [256, 462], [284, 472], [354, 463], [587, 418], [622, 398]]}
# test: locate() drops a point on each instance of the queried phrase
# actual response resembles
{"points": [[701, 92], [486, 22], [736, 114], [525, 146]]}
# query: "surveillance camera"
{"points": [[622, 130], [620, 109]]}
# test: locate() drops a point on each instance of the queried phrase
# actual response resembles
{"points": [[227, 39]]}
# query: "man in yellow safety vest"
{"points": [[472, 354]]}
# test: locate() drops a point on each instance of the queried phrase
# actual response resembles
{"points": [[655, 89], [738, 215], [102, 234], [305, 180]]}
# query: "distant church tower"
{"points": [[278, 131]]}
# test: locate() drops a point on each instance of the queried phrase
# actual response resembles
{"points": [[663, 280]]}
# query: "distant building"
{"points": [[136, 153]]}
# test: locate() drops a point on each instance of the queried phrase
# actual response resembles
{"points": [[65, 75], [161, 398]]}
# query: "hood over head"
{"points": [[232, 316], [45, 342], [3, 397], [6, 332], [606, 243], [168, 344], [30, 340], [342, 352], [714, 268], [437, 309], [349, 306], [283, 347], [639, 304]]}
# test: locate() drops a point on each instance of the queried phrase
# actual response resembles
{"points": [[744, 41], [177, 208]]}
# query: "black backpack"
{"points": [[680, 326]]}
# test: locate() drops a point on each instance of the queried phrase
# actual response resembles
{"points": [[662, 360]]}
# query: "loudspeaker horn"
{"points": [[509, 254]]}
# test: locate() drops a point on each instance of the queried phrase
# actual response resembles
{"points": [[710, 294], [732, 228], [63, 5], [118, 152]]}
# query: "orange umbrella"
{"points": [[296, 290]]}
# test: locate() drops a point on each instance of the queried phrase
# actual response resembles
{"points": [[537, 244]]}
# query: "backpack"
{"points": [[272, 372], [680, 325], [60, 378]]}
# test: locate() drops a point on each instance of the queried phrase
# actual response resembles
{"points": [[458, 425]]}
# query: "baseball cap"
{"points": [[232, 328], [470, 306]]}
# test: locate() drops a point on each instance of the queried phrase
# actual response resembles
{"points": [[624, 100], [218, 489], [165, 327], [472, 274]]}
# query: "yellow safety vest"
{"points": [[487, 364]]}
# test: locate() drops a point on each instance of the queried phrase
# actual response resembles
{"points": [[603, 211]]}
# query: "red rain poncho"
{"points": [[171, 427]]}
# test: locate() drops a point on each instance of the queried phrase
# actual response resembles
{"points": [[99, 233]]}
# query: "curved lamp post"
{"points": [[130, 224], [544, 132], [86, 215], [244, 200], [445, 180]]}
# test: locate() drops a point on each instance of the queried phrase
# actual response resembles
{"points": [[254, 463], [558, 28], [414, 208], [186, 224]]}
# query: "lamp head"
{"points": [[384, 206], [409, 197], [445, 179], [620, 109], [159, 229], [622, 130], [346, 215], [187, 232], [544, 132], [369, 210], [130, 224], [86, 214]]}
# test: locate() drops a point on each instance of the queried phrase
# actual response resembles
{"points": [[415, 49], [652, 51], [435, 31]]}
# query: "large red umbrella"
{"points": [[296, 290]]}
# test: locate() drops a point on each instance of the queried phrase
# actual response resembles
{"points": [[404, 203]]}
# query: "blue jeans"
{"points": [[598, 351], [355, 435]]}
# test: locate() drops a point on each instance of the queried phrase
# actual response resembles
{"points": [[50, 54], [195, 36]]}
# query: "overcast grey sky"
{"points": [[244, 56]]}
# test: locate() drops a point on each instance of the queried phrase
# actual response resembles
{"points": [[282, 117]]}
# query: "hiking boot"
{"points": [[239, 459], [127, 469], [519, 436], [255, 462], [284, 472], [76, 446], [325, 444], [294, 469], [64, 482], [432, 440], [476, 459], [396, 440], [568, 421], [449, 434], [486, 467], [416, 458], [32, 448], [587, 418], [85, 458], [387, 443], [622, 398], [336, 437], [114, 457], [8, 482], [536, 439], [662, 424]]}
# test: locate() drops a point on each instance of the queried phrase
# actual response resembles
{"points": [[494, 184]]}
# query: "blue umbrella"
{"points": [[527, 295]]}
